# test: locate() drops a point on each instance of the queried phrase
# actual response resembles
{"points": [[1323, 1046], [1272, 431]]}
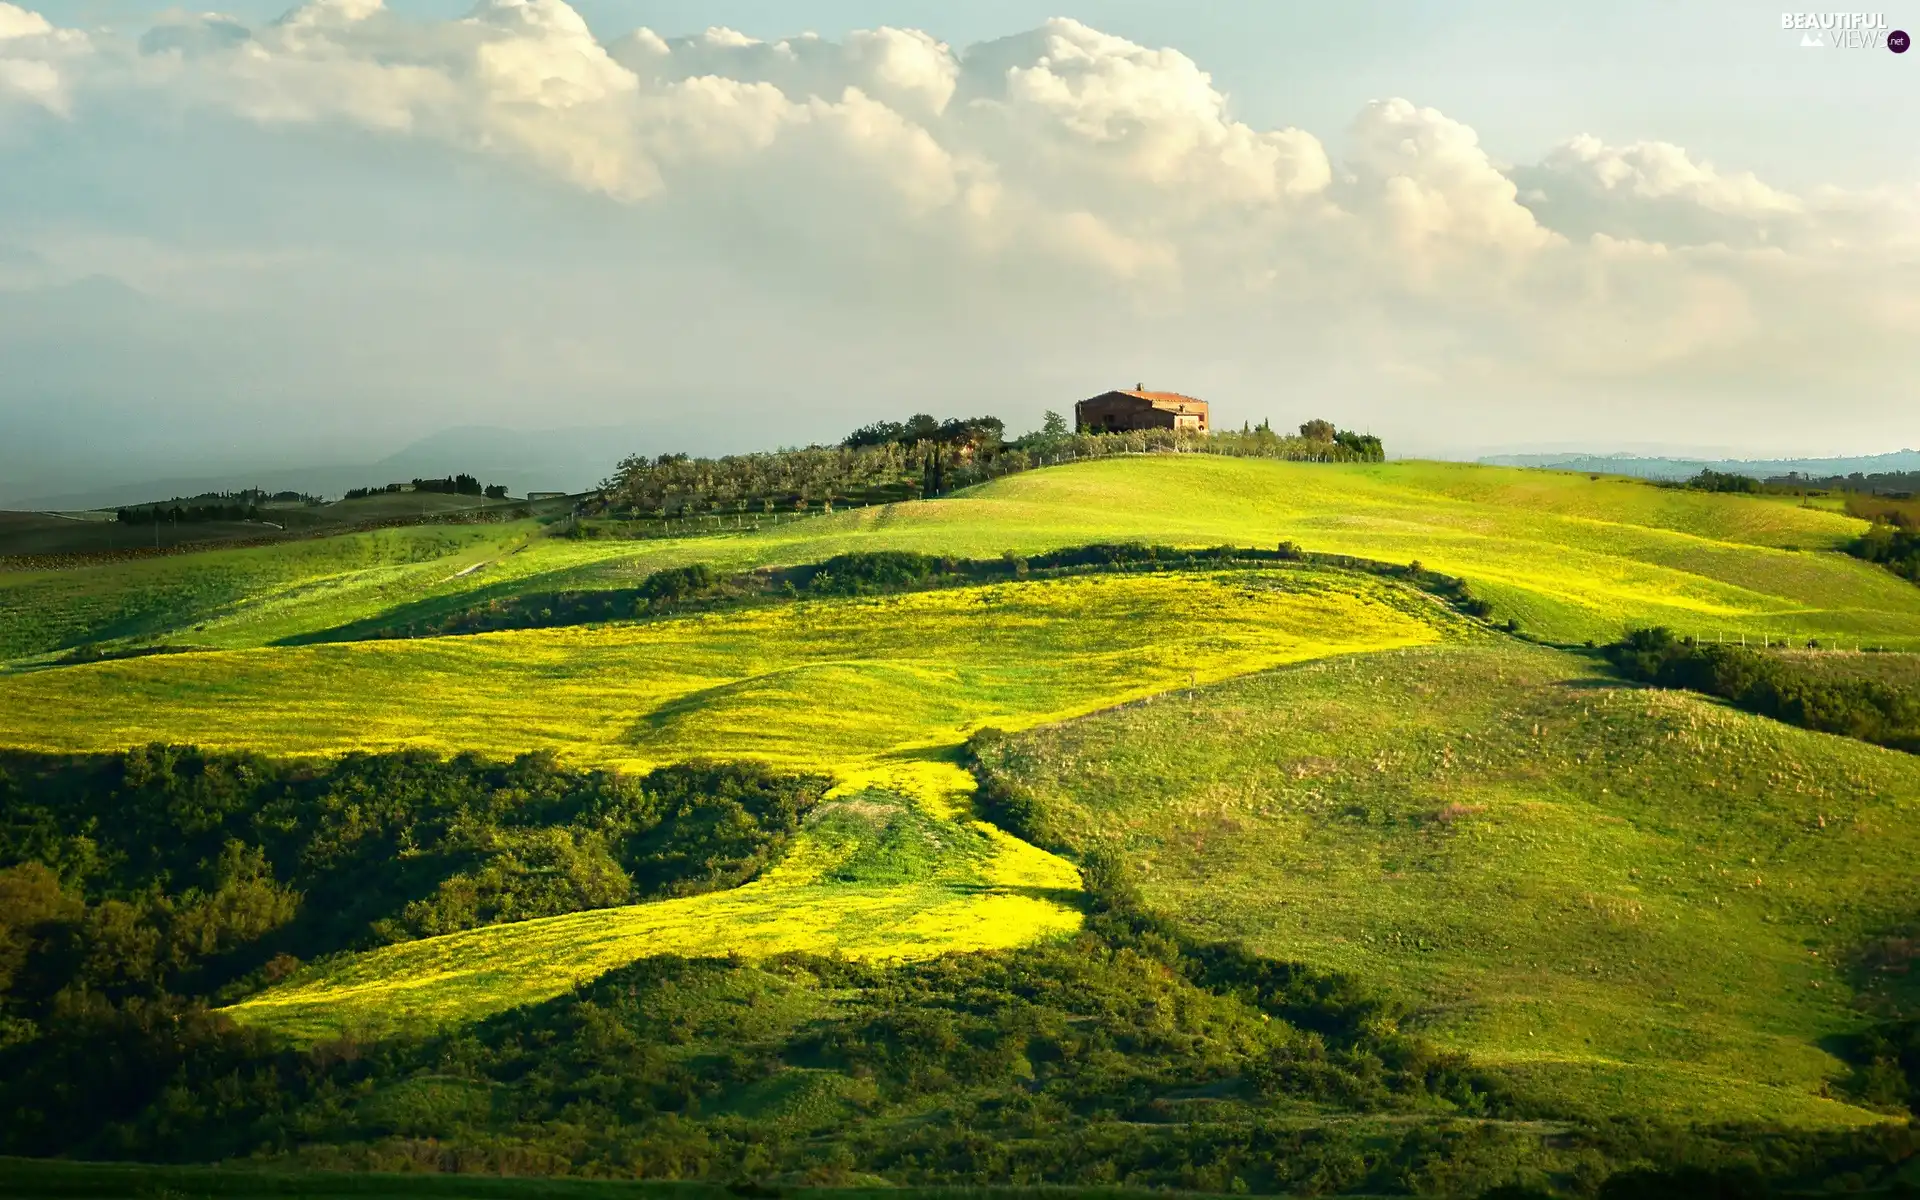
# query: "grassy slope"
{"points": [[1897, 670], [845, 888], [1570, 557], [1632, 900], [1537, 938], [880, 692], [817, 684], [234, 590]]}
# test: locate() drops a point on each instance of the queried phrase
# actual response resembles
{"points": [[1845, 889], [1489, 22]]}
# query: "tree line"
{"points": [[1893, 540], [1902, 484], [979, 432], [186, 514], [922, 457], [462, 484], [241, 505], [1895, 547], [139, 890], [1710, 480]]}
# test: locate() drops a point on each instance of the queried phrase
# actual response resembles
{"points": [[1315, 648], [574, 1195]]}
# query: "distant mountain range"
{"points": [[554, 460], [1682, 468]]}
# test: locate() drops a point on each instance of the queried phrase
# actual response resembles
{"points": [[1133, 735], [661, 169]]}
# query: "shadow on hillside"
{"points": [[1593, 683], [1074, 898], [663, 717], [389, 622]]}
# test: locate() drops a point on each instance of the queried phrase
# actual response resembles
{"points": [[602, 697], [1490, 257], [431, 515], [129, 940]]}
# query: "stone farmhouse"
{"points": [[1112, 412]]}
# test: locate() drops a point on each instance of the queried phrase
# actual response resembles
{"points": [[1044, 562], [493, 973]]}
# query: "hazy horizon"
{"points": [[578, 458], [285, 239]]}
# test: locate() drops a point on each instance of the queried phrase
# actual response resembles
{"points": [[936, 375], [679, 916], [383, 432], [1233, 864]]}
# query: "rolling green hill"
{"points": [[44, 610], [849, 887], [831, 684], [1570, 557], [1597, 901], [1629, 900]]}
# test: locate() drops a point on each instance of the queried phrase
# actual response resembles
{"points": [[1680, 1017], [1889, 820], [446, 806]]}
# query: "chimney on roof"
{"points": [[1139, 387]]}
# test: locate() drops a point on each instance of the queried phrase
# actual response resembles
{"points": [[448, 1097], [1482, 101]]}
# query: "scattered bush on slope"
{"points": [[1866, 709], [699, 587]]}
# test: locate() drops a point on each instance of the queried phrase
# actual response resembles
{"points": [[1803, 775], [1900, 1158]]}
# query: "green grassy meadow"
{"points": [[877, 692], [1624, 902], [1896, 670], [1570, 557], [819, 684], [182, 597], [1629, 900]]}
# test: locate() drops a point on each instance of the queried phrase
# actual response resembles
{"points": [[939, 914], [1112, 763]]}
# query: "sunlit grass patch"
{"points": [[1639, 901], [236, 596], [888, 684], [874, 877], [879, 692], [1569, 556]]}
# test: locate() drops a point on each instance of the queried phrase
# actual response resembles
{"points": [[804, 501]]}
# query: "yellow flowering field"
{"points": [[1019, 894], [879, 692], [825, 684]]}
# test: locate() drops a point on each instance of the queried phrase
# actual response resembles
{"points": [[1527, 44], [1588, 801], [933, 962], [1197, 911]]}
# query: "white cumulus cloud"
{"points": [[1065, 161], [36, 59]]}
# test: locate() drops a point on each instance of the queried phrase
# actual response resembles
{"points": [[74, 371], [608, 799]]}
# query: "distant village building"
{"points": [[1112, 412], [547, 495]]}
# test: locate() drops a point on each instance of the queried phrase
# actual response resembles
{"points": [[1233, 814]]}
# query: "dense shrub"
{"points": [[867, 572], [1886, 1057], [1895, 547], [1040, 1064], [181, 869], [1131, 1054], [1709, 480], [676, 584], [186, 514], [1003, 800], [1865, 709]]}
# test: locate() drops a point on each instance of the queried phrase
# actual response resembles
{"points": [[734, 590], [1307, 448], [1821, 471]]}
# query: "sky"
{"points": [[273, 236]]}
